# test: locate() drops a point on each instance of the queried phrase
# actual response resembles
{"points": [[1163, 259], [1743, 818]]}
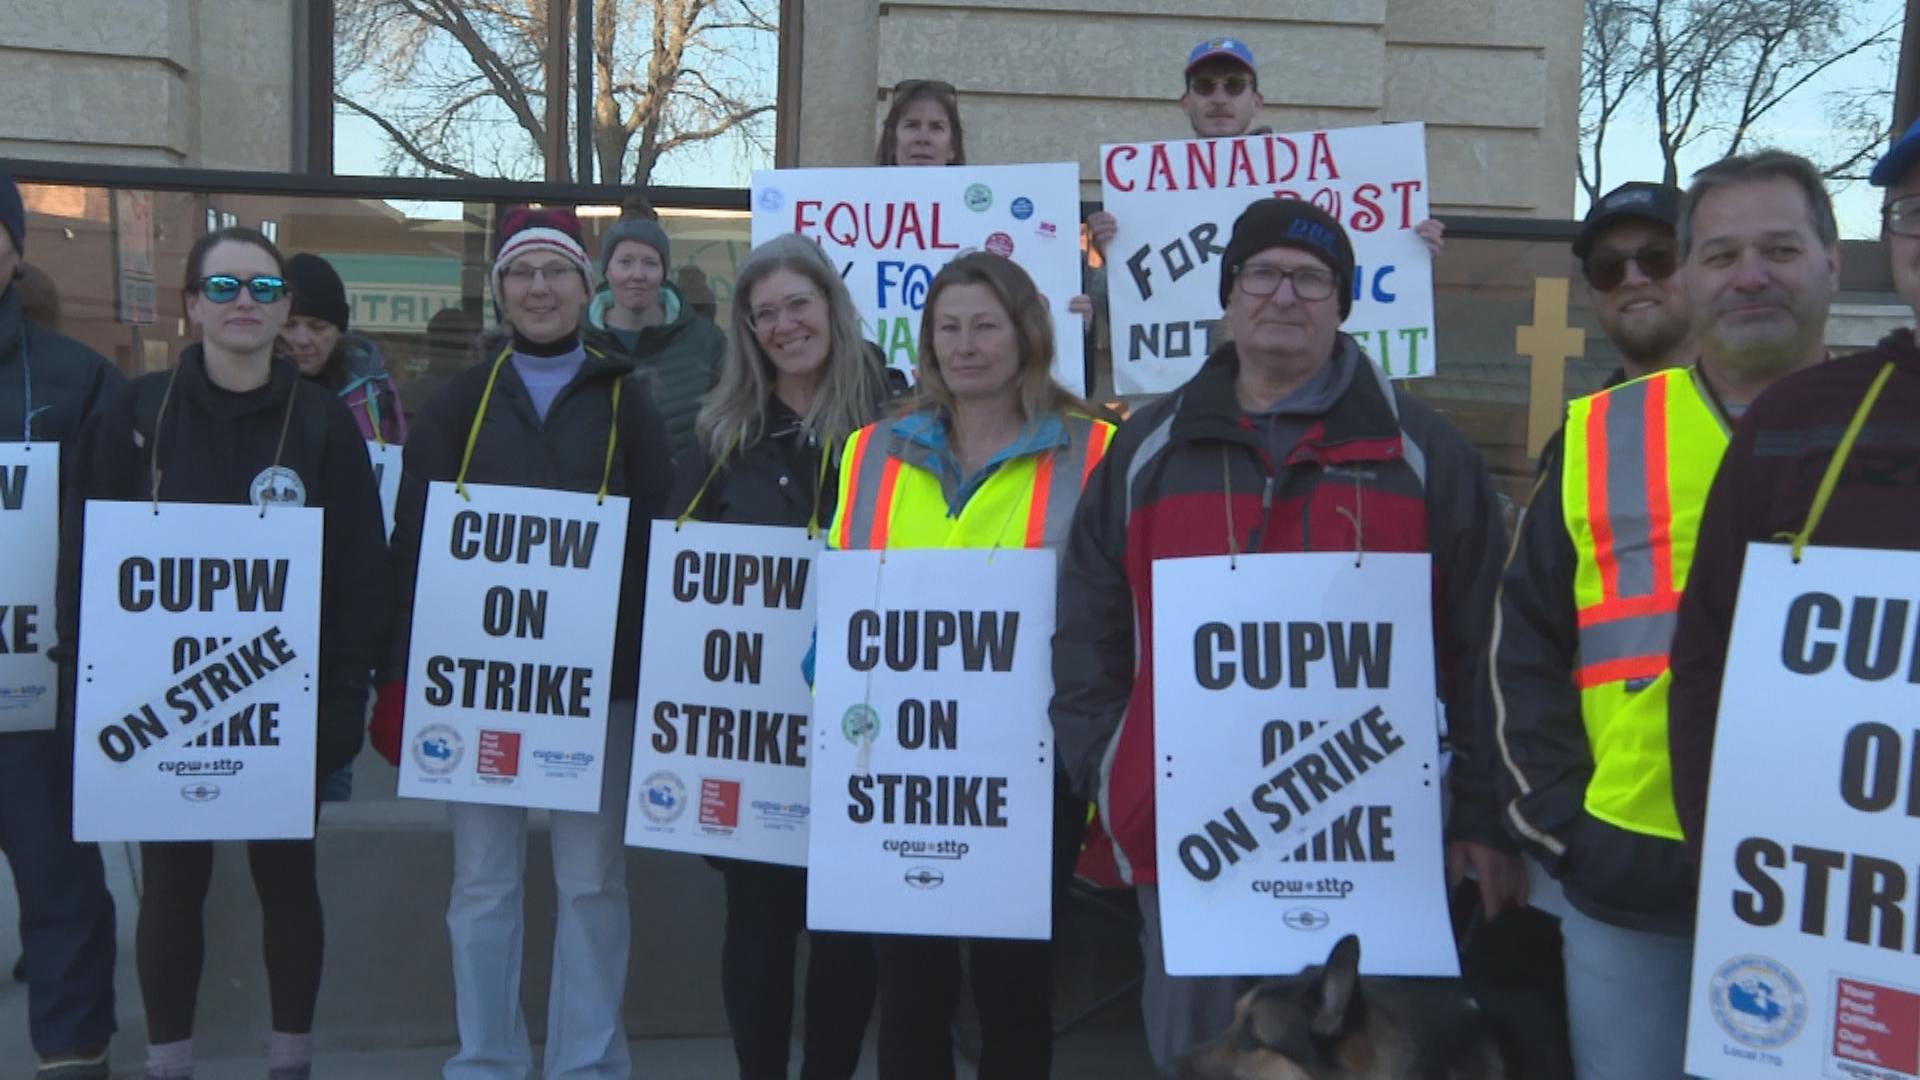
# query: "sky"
{"points": [[1800, 125]]}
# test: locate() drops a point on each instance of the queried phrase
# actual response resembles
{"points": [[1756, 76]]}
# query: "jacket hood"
{"points": [[678, 311], [1209, 407], [194, 382]]}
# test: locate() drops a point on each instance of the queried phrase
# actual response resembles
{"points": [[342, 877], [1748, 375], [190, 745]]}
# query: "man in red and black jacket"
{"points": [[1289, 436], [1767, 482]]}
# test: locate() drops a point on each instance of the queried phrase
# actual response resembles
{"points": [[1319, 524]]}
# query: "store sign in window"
{"points": [[398, 293]]}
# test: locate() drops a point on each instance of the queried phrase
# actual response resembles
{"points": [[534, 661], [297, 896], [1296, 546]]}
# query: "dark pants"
{"points": [[66, 914], [1012, 986], [171, 944], [766, 910]]}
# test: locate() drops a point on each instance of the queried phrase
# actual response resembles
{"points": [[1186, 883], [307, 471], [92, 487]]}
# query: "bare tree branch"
{"points": [[405, 143]]}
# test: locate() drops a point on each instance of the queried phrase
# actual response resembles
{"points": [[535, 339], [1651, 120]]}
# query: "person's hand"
{"points": [[1082, 306], [1432, 232], [1100, 229], [387, 721], [1502, 875]]}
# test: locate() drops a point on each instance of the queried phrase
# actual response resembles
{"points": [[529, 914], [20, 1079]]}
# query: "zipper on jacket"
{"points": [[1266, 509]]}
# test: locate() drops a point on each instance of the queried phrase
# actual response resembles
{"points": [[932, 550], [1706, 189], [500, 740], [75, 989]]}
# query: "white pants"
{"points": [[1626, 999], [485, 917]]}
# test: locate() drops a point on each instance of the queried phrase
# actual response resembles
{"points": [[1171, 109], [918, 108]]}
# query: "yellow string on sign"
{"points": [[718, 464], [819, 489], [373, 414], [1831, 479], [473, 430], [613, 438]]}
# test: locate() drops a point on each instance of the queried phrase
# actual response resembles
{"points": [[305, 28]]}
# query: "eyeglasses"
{"points": [[1204, 85], [1309, 282], [909, 87], [223, 288], [553, 273], [1607, 269], [1902, 216], [767, 316]]}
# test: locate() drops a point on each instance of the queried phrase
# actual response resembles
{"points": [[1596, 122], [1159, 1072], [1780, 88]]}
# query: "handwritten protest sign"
{"points": [[933, 760], [195, 716], [515, 608], [889, 230], [1803, 955], [720, 759], [30, 535], [1176, 203], [1296, 780]]}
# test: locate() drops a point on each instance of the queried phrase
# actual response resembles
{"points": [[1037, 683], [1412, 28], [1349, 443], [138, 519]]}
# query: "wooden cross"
{"points": [[1548, 344]]}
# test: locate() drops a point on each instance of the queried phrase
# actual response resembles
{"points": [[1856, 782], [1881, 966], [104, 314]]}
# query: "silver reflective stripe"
{"points": [[1627, 513], [1625, 639], [863, 495], [1063, 494]]}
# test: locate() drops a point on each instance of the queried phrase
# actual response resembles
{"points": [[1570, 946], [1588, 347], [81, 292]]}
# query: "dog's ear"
{"points": [[1338, 982]]}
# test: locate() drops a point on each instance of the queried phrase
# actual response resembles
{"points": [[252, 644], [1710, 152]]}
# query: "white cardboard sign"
{"points": [[890, 230], [509, 674], [30, 535], [1803, 956], [386, 476], [195, 716], [1296, 779], [720, 754], [933, 757], [1176, 203]]}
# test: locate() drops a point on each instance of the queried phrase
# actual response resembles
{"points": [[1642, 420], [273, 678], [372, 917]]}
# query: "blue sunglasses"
{"points": [[222, 288]]}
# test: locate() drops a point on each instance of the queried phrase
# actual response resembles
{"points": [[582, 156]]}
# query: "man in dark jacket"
{"points": [[1277, 433], [1767, 483], [1579, 658], [49, 384]]}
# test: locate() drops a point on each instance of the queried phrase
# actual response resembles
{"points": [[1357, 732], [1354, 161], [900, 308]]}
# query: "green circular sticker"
{"points": [[979, 197], [861, 723]]}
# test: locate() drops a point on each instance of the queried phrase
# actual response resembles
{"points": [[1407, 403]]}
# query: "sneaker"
{"points": [[82, 1066]]}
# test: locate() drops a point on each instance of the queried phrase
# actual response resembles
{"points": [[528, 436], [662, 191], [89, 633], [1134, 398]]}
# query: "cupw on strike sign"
{"points": [[30, 535]]}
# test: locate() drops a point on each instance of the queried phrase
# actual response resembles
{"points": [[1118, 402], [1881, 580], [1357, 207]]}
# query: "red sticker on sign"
{"points": [[720, 803], [499, 753], [1877, 1025], [1000, 244]]}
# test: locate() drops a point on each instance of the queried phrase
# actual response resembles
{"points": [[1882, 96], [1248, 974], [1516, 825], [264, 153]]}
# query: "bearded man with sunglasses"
{"points": [[1580, 657]]}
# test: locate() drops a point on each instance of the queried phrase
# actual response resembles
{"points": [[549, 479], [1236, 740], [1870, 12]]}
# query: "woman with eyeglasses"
{"points": [[540, 409], [797, 380], [993, 453], [234, 423]]}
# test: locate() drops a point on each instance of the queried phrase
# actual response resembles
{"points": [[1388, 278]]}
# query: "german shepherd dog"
{"points": [[1328, 1023]]}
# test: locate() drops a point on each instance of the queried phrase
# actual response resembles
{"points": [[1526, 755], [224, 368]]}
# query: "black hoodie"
{"points": [[211, 444]]}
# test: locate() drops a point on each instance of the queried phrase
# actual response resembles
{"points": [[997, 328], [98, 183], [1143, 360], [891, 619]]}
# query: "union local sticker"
{"points": [[1000, 244]]}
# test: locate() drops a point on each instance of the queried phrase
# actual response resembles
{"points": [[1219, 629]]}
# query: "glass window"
{"points": [[412, 98]]}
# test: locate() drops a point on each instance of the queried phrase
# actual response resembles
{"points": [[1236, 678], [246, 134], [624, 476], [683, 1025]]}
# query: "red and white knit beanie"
{"points": [[524, 230]]}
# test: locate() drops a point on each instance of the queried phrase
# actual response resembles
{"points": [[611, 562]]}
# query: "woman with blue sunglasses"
{"points": [[233, 423]]}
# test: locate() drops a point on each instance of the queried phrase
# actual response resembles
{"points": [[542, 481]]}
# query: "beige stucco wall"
{"points": [[1495, 80], [204, 83]]}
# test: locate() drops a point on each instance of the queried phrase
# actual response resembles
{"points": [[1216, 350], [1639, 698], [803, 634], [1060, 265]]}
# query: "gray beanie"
{"points": [[647, 232]]}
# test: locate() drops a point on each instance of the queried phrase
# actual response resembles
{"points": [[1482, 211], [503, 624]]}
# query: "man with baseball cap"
{"points": [[1283, 428], [49, 385], [1842, 436], [1628, 255], [1580, 658]]}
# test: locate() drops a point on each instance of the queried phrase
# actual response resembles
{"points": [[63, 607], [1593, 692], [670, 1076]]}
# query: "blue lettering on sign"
{"points": [[908, 282]]}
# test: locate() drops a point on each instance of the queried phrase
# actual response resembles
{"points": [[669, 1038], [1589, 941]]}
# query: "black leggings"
{"points": [[171, 943]]}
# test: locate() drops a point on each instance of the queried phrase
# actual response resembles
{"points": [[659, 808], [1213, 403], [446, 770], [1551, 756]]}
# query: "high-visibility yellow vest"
{"points": [[889, 499], [1639, 461]]}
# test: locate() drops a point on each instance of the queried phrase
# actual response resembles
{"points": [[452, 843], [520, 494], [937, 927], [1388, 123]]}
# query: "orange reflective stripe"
{"points": [[1597, 496], [1037, 501], [843, 526], [1629, 607], [883, 505], [1611, 671], [1096, 449], [1659, 498]]}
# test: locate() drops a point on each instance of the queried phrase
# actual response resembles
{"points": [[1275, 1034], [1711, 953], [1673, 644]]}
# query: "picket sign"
{"points": [[509, 674], [1176, 202], [933, 759], [386, 476], [1803, 952], [30, 536], [890, 230], [1296, 764], [196, 710], [720, 754]]}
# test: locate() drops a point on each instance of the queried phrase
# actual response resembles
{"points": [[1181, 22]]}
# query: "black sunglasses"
{"points": [[223, 288], [1606, 270], [1204, 84]]}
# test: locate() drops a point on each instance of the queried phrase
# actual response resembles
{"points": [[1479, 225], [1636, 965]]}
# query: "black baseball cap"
{"points": [[1633, 200]]}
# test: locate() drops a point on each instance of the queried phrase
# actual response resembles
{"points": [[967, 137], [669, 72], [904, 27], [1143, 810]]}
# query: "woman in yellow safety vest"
{"points": [[994, 453]]}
